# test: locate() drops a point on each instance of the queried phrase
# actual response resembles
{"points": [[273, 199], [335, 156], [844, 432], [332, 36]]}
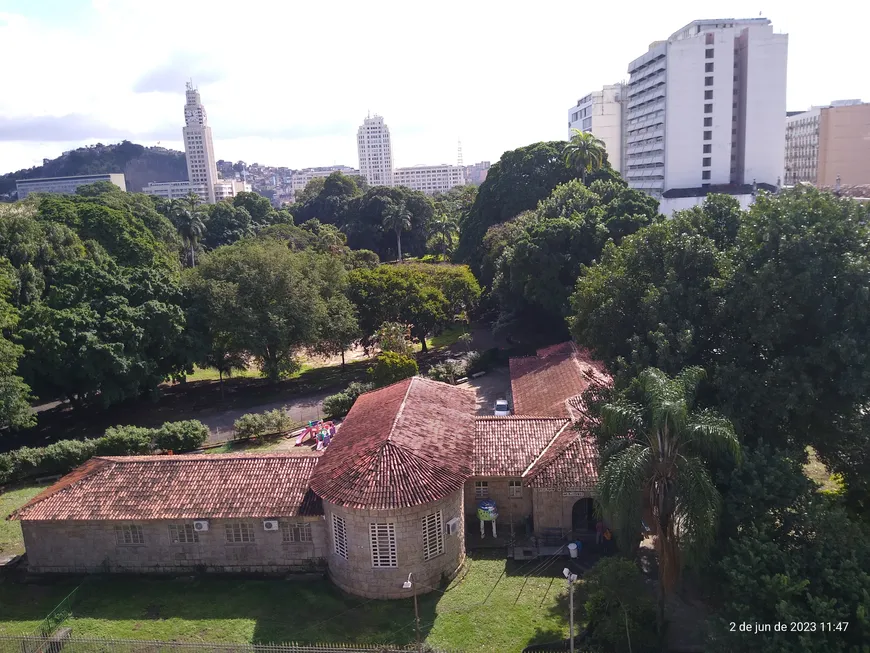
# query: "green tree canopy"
{"points": [[365, 226], [225, 224], [327, 201]]}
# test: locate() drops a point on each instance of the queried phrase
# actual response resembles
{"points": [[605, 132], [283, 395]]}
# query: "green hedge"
{"points": [[65, 455], [254, 425], [339, 404]]}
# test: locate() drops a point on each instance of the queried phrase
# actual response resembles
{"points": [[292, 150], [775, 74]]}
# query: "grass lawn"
{"points": [[10, 531], [485, 610], [446, 338], [815, 470], [211, 374]]}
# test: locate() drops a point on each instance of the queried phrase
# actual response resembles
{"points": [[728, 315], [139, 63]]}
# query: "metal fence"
{"points": [[56, 617], [37, 644]]}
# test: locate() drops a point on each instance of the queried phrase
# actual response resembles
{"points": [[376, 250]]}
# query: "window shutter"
{"points": [[383, 541], [339, 536], [433, 535]]}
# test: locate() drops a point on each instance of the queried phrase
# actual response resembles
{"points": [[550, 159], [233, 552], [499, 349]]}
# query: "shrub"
{"points": [[255, 425], [339, 404], [57, 458], [181, 436], [390, 367], [7, 468], [394, 337], [483, 361], [448, 371], [124, 441]]}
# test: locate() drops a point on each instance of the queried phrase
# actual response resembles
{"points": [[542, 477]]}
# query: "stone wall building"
{"points": [[389, 499]]}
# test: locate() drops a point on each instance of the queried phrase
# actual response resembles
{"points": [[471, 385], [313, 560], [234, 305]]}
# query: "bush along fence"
{"points": [[272, 423], [65, 455], [69, 644]]}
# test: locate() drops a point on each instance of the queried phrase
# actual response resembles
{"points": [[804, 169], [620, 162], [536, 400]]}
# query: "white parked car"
{"points": [[501, 408]]}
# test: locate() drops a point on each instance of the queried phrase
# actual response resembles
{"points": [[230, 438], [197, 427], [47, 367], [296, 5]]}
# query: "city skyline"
{"points": [[491, 95]]}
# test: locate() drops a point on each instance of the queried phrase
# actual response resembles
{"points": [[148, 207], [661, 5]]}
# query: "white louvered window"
{"points": [[298, 532], [339, 536], [129, 534], [240, 532], [183, 534], [383, 540], [515, 489], [481, 489], [433, 535]]}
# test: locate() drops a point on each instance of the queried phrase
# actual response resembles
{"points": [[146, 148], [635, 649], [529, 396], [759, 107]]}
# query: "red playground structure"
{"points": [[320, 431]]}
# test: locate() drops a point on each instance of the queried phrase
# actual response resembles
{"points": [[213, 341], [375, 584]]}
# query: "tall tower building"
{"points": [[375, 152], [198, 147], [707, 107], [600, 113]]}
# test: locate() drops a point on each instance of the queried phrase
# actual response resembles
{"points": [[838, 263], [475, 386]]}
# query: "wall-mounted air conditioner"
{"points": [[270, 524], [200, 525], [453, 526]]}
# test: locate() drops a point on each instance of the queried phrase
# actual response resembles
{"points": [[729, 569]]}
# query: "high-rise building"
{"points": [[475, 174], [430, 179], [600, 113], [827, 144], [198, 145], [375, 152], [706, 107], [65, 185]]}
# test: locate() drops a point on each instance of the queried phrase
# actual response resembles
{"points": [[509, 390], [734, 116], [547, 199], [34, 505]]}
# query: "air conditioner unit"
{"points": [[270, 524], [200, 525], [453, 526]]}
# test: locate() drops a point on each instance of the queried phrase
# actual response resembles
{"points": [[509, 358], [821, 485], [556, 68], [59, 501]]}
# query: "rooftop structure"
{"points": [[65, 185]]}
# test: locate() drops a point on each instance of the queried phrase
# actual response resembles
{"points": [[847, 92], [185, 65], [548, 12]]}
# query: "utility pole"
{"points": [[410, 584], [570, 578]]}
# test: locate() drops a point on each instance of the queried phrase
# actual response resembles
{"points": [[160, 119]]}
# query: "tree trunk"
{"points": [[342, 360], [423, 347], [399, 243], [221, 377]]}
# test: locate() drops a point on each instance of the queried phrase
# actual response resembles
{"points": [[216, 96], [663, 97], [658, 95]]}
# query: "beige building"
{"points": [[829, 145], [601, 113], [396, 495]]}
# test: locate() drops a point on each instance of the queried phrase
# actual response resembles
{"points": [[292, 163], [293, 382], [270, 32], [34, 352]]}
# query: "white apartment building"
{"points": [[600, 113], [375, 152], [430, 179], [65, 185], [198, 145], [707, 107], [223, 189]]}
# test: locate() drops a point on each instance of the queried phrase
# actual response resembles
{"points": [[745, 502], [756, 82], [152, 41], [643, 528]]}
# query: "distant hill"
{"points": [[139, 164]]}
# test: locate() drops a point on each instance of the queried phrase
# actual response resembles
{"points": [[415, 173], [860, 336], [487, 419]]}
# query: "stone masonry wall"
{"points": [[510, 510], [357, 575], [91, 546], [553, 510]]}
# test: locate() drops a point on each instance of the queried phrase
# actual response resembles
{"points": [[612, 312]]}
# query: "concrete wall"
{"points": [[510, 510], [552, 508], [91, 546], [356, 573], [667, 206], [844, 145]]}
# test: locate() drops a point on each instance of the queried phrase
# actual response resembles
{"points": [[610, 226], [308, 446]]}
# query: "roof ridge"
{"points": [[496, 418], [400, 411], [141, 458], [47, 493], [547, 448]]}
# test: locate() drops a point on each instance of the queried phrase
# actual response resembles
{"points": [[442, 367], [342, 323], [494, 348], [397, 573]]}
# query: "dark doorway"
{"points": [[583, 516]]}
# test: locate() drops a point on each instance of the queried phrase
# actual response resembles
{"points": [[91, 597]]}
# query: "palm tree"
{"points": [[397, 219], [443, 227], [585, 153], [189, 224], [654, 464]]}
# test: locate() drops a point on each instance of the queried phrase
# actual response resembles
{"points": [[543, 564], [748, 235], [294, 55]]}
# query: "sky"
{"points": [[287, 83]]}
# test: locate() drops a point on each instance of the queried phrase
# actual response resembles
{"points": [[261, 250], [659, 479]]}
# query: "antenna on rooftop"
{"points": [[459, 154]]}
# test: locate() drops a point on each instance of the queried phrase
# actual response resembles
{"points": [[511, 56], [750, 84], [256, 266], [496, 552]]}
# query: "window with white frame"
{"points": [[433, 535], [339, 536], [515, 489], [239, 532], [183, 534], [383, 541], [481, 489], [129, 534], [296, 532]]}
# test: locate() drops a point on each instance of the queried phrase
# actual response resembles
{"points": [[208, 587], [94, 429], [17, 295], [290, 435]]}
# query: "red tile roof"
{"points": [[200, 486], [506, 446], [542, 384], [403, 445], [570, 461]]}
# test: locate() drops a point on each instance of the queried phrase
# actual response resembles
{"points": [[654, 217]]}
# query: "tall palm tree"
{"points": [[443, 227], [654, 464], [189, 224], [397, 219], [585, 153]]}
